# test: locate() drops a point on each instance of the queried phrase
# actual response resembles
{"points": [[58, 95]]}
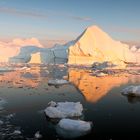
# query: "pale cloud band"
{"points": [[37, 14]]}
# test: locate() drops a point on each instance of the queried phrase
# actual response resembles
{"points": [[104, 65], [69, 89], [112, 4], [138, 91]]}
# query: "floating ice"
{"points": [[38, 135], [57, 82], [131, 91], [69, 128], [101, 74], [17, 132], [25, 68], [52, 104], [64, 110]]}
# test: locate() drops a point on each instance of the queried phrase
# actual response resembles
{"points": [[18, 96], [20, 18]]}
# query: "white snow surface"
{"points": [[64, 110], [131, 90], [69, 128]]}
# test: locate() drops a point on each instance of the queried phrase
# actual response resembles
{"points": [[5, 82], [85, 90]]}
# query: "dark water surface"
{"points": [[26, 94]]}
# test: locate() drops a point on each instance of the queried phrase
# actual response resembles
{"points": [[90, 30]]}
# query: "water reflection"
{"points": [[94, 88], [21, 78], [133, 100]]}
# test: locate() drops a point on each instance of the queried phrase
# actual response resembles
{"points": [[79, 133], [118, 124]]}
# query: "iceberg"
{"points": [[69, 128], [24, 55], [131, 91], [64, 109], [94, 45]]}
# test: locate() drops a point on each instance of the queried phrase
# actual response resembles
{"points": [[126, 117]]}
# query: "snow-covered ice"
{"points": [[64, 110], [69, 128], [131, 91], [57, 82]]}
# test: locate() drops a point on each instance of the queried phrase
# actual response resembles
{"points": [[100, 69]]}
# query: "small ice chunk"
{"points": [[69, 128], [64, 110], [25, 68], [17, 132], [57, 82], [38, 135], [52, 104], [101, 74], [1, 122], [131, 91], [10, 116]]}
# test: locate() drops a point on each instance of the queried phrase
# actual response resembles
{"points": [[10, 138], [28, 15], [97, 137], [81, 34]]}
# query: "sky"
{"points": [[67, 19]]}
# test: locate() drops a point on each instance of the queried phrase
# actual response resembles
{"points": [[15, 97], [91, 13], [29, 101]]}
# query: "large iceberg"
{"points": [[69, 128], [64, 109], [94, 45]]}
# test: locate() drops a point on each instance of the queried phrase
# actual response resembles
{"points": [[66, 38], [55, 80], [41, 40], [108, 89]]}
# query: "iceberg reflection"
{"points": [[94, 88]]}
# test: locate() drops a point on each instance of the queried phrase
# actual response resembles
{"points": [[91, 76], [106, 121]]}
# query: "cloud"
{"points": [[10, 49], [25, 42], [13, 11], [81, 18], [37, 14]]}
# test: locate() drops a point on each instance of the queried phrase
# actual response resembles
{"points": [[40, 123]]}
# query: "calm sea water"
{"points": [[26, 93]]}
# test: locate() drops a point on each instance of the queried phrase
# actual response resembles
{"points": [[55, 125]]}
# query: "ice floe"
{"points": [[17, 132], [64, 109], [131, 91], [69, 128], [57, 82], [38, 135]]}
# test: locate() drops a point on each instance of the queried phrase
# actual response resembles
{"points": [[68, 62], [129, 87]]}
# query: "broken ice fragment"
{"points": [[69, 128], [64, 110]]}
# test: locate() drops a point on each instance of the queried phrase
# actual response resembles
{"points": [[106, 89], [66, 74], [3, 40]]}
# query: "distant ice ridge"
{"points": [[64, 109], [131, 91], [69, 128]]}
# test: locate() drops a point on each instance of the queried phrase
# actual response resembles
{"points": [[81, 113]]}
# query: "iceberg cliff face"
{"points": [[94, 45], [33, 54], [24, 55]]}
